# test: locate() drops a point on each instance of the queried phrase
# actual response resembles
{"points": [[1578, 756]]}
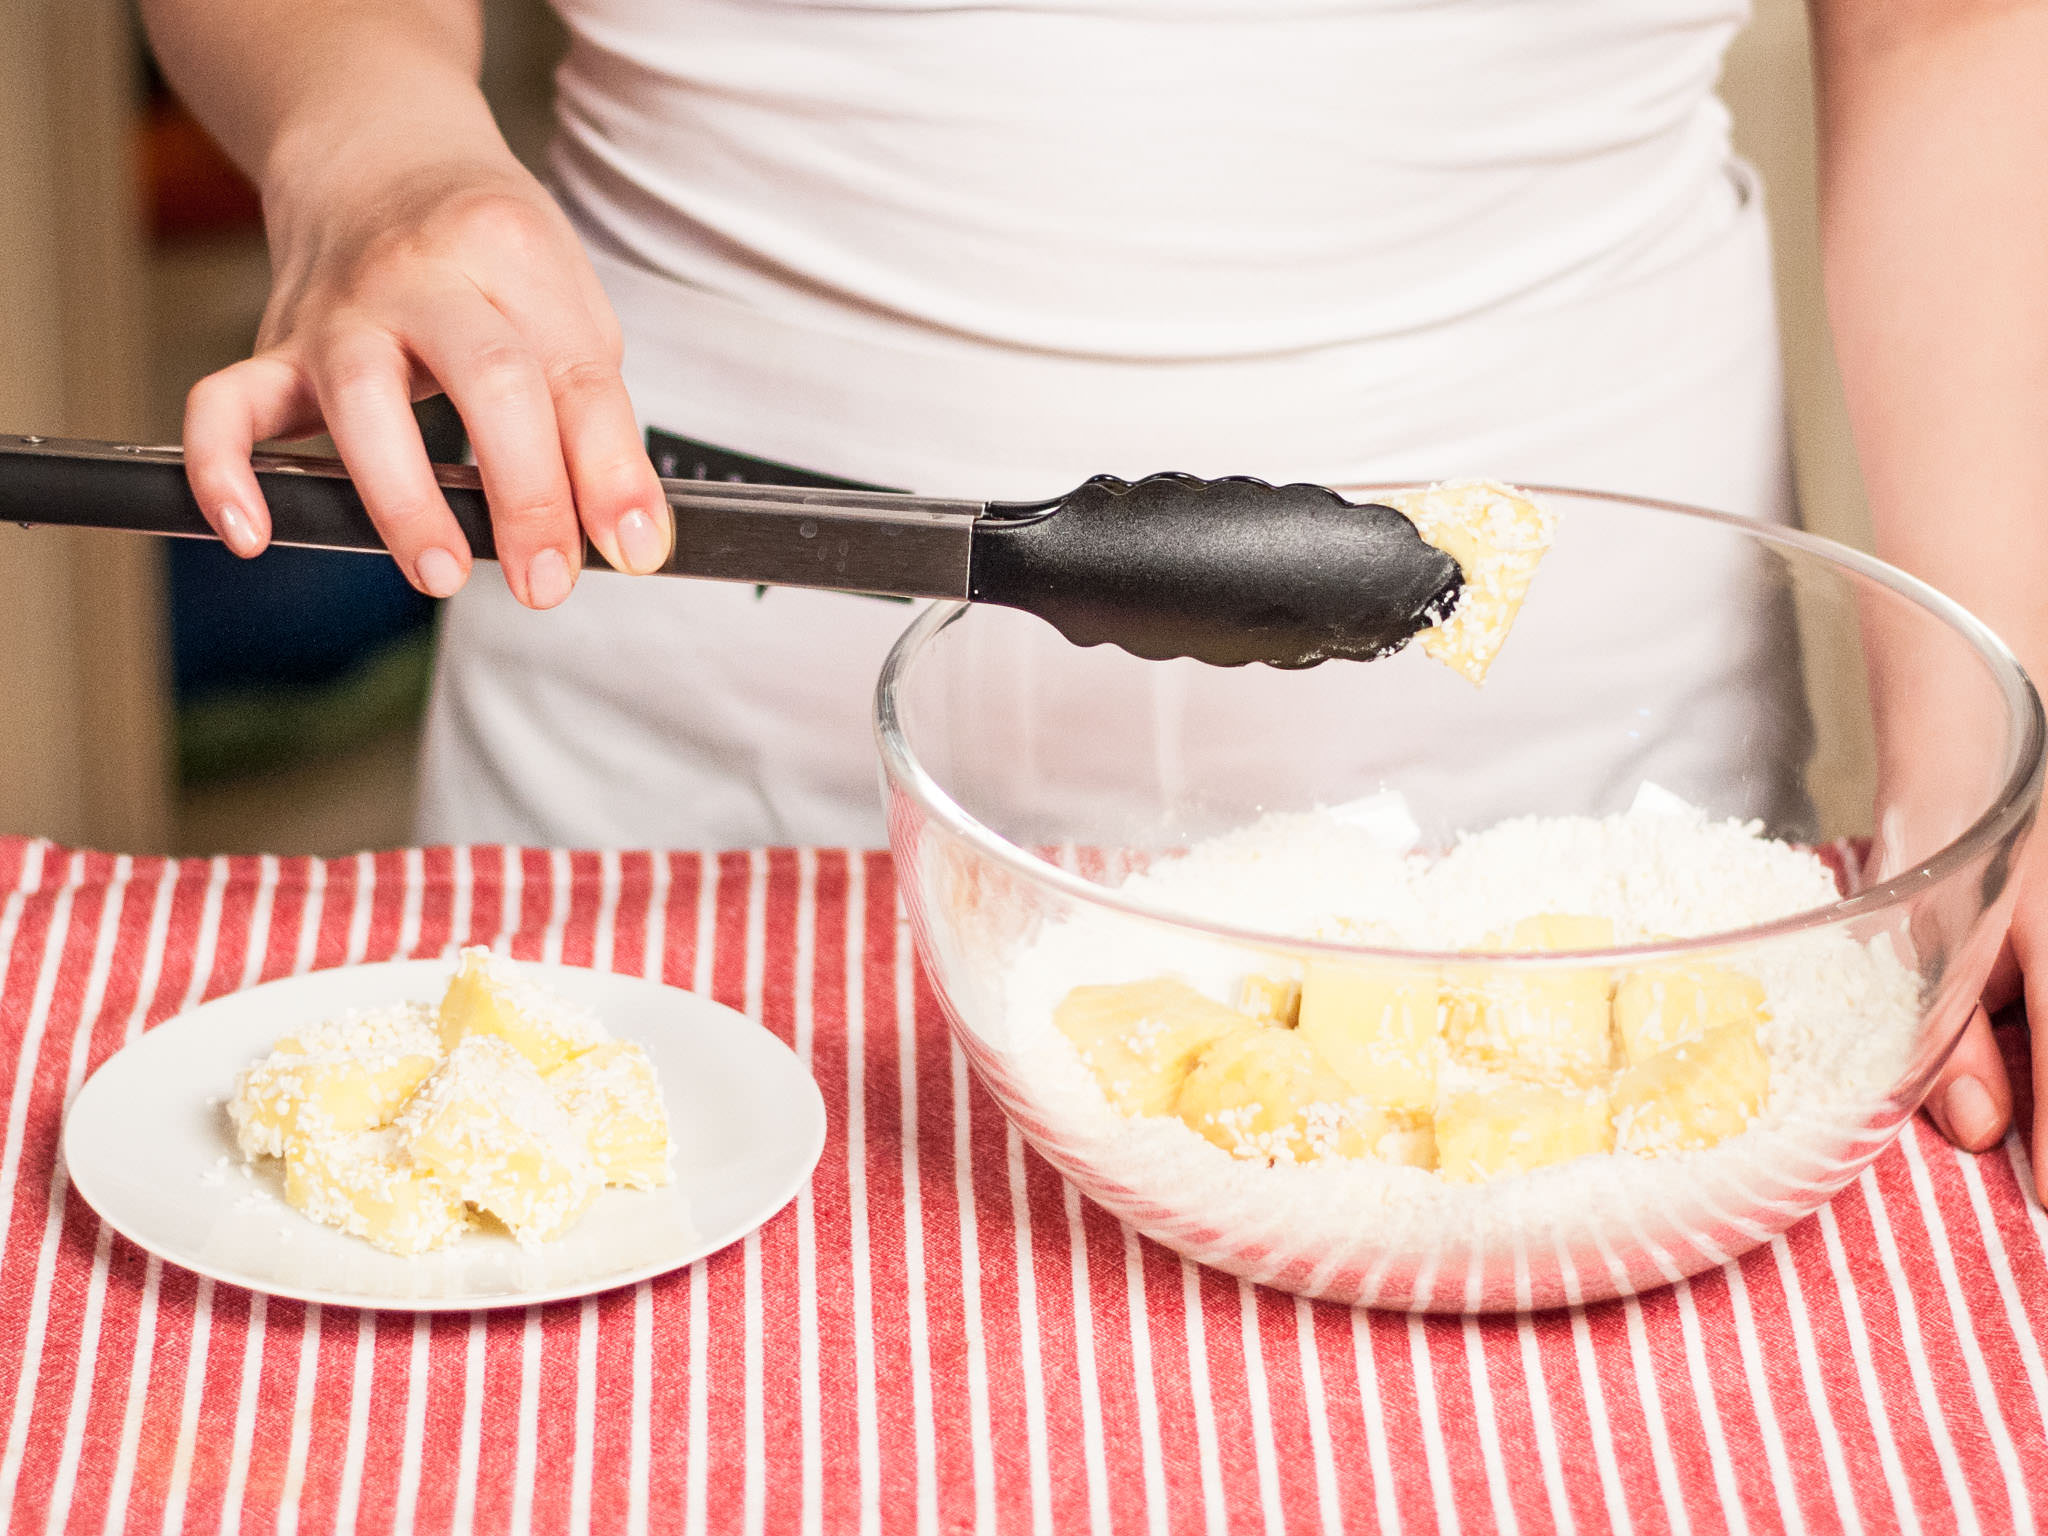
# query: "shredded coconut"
{"points": [[1843, 1024], [391, 1121]]}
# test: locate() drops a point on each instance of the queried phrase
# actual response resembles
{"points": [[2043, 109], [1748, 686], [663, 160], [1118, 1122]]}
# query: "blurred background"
{"points": [[162, 696]]}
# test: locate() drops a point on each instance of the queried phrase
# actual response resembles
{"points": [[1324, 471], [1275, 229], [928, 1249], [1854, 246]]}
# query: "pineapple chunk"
{"points": [[1376, 1025], [1387, 1136], [1141, 1037], [1694, 1094], [1264, 1093], [489, 997], [1552, 1025], [349, 1074], [1515, 1127], [1658, 1008], [363, 1183], [488, 1125], [1498, 537], [612, 1098], [1273, 998]]}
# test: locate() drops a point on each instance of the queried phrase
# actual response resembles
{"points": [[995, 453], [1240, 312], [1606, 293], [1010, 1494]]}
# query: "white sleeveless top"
{"points": [[990, 250]]}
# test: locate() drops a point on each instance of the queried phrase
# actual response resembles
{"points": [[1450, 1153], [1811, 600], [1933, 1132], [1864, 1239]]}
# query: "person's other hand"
{"points": [[409, 273], [1972, 1101]]}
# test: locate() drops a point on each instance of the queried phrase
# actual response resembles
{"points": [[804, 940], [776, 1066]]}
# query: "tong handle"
{"points": [[71, 483]]}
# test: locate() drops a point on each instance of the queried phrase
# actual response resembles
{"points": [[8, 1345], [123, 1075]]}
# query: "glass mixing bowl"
{"points": [[1754, 672]]}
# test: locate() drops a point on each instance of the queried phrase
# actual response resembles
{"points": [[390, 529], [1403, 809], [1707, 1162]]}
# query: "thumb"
{"points": [[1971, 1103]]}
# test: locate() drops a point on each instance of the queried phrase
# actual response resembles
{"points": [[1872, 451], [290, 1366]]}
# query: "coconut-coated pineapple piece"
{"points": [[1376, 1025], [1498, 536], [489, 996], [1140, 1038], [1694, 1094], [347, 1074], [364, 1183], [490, 1127], [1661, 1006], [1513, 1127]]}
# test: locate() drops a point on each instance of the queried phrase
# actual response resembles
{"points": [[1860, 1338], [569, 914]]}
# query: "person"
{"points": [[991, 250]]}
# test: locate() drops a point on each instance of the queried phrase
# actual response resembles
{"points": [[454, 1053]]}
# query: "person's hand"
{"points": [[411, 273], [1937, 719], [1972, 1101], [1943, 347]]}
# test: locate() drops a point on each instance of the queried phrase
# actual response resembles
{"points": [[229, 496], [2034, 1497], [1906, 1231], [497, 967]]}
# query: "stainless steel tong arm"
{"points": [[858, 541]]}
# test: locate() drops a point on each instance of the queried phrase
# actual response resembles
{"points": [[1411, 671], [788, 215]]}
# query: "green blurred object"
{"points": [[236, 731]]}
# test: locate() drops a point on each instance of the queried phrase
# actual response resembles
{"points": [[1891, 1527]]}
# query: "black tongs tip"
{"points": [[1227, 571]]}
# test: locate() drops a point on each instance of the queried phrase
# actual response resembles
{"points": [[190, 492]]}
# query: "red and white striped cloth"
{"points": [[938, 1335]]}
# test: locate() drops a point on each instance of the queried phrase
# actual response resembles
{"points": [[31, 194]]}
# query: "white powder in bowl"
{"points": [[1844, 1022]]}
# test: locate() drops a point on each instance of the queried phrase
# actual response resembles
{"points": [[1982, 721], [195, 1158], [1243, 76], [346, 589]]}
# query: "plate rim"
{"points": [[699, 1248]]}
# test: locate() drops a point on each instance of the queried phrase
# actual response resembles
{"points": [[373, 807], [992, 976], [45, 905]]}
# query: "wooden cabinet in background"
{"points": [[84, 693]]}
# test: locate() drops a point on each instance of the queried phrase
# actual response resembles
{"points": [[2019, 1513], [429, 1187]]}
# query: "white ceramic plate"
{"points": [[148, 1144]]}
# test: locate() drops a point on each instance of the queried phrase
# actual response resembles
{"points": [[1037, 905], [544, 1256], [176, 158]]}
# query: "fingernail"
{"points": [[438, 572], [548, 579], [1972, 1117], [642, 543], [236, 533]]}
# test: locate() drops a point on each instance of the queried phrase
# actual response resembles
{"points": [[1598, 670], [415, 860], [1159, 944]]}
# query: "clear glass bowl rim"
{"points": [[2014, 803]]}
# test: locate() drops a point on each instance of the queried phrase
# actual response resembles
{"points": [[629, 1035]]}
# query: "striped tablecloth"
{"points": [[938, 1335]]}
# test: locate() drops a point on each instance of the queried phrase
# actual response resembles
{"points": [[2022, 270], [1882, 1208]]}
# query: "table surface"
{"points": [[939, 1334]]}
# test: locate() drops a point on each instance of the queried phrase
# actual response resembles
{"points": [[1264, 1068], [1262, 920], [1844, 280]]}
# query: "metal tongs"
{"points": [[1226, 571]]}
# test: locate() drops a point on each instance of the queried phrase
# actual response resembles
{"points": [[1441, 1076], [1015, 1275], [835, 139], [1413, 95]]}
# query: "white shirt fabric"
{"points": [[989, 251]]}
